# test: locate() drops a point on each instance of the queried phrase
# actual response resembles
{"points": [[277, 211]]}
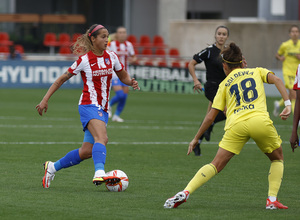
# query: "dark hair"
{"points": [[222, 26], [294, 26], [232, 56], [92, 32], [84, 42]]}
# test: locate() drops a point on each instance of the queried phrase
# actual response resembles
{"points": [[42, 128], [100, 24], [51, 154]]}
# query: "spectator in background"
{"points": [[289, 54], [14, 54], [125, 51]]}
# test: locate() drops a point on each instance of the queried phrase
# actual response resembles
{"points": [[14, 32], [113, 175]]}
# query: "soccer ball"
{"points": [[117, 187]]}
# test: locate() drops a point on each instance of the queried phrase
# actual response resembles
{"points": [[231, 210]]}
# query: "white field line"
{"points": [[45, 118], [36, 118], [109, 126], [117, 143], [145, 127]]}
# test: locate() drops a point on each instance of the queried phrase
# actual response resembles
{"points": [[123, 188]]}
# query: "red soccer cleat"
{"points": [[177, 200], [275, 205]]}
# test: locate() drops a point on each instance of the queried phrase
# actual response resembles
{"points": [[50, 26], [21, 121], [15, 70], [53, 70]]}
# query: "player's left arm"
{"points": [[272, 79], [208, 120], [125, 78]]}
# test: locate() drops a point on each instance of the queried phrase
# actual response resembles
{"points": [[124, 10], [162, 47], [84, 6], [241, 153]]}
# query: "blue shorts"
{"points": [[117, 82], [89, 112]]}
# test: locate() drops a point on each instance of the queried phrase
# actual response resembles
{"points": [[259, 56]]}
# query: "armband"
{"points": [[287, 102]]}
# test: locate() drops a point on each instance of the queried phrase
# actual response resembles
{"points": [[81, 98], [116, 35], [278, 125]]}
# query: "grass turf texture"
{"points": [[139, 146]]}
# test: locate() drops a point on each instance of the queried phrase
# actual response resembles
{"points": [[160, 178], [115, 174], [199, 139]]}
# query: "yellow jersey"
{"points": [[289, 50], [242, 91]]}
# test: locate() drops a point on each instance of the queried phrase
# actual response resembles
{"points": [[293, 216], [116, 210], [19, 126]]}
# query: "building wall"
{"points": [[169, 10], [291, 10], [227, 8], [144, 17]]}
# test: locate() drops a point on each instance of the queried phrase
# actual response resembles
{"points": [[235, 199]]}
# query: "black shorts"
{"points": [[211, 89]]}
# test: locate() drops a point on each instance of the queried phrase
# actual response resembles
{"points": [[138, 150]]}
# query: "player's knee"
{"points": [[276, 154], [103, 139], [85, 151]]}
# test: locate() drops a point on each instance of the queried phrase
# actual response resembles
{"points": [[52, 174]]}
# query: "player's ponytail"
{"points": [[84, 42], [232, 56]]}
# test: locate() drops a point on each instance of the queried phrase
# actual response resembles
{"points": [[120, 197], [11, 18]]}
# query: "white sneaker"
{"points": [[117, 118], [177, 200], [276, 108], [48, 177]]}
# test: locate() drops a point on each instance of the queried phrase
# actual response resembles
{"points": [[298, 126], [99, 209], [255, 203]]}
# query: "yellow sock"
{"points": [[281, 102], [293, 105], [204, 174], [275, 177]]}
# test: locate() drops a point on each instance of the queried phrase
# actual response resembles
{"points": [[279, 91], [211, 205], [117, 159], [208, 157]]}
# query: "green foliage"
{"points": [[150, 146]]}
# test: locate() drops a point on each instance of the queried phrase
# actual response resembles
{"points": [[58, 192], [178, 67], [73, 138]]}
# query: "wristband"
{"points": [[287, 102]]}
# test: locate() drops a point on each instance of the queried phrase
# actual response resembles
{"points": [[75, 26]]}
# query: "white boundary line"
{"points": [[109, 126], [183, 127], [113, 126], [116, 143]]}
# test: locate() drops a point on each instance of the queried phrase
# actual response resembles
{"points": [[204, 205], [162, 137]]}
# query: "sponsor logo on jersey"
{"points": [[102, 72], [244, 107]]}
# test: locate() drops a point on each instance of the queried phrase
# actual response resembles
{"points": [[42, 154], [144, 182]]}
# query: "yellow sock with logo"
{"points": [[293, 101], [281, 102], [204, 174], [275, 177]]}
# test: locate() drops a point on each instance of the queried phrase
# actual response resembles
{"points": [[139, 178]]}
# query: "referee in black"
{"points": [[214, 75]]}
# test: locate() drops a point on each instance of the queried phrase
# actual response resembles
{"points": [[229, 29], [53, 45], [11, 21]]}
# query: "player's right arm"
{"points": [[208, 120], [272, 79], [280, 53], [280, 57], [197, 58], [55, 86], [197, 83]]}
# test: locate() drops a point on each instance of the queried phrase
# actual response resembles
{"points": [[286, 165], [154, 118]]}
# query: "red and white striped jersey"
{"points": [[123, 50], [96, 73], [297, 79]]}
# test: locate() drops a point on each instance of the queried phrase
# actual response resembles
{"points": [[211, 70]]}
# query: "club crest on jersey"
{"points": [[107, 61], [100, 114]]}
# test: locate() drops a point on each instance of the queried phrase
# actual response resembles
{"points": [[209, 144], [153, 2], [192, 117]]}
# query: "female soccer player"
{"points": [[242, 92], [294, 140], [214, 75], [96, 67], [289, 54], [125, 51]]}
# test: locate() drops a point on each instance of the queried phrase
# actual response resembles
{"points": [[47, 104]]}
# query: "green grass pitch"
{"points": [[150, 146]]}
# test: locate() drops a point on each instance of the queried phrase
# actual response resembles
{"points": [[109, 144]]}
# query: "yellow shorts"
{"points": [[260, 129], [289, 81]]}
